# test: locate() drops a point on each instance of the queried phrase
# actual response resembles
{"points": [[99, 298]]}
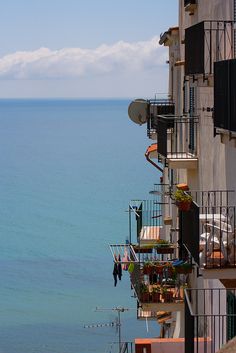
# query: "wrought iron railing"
{"points": [[160, 281], [210, 318], [158, 107], [177, 137], [217, 239], [212, 198], [148, 220], [122, 347], [212, 225], [207, 42]]}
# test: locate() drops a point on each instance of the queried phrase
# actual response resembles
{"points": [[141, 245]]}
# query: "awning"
{"points": [[151, 151]]}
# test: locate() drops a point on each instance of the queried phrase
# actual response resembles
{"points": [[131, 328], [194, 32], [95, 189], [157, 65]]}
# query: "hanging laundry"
{"points": [[115, 273], [119, 268], [125, 259]]}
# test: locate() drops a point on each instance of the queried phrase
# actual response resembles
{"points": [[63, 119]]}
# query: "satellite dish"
{"points": [[138, 111]]}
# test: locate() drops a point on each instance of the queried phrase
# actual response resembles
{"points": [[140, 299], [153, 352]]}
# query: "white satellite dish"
{"points": [[138, 111]]}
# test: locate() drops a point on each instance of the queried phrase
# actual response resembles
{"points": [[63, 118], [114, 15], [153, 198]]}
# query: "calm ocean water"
{"points": [[68, 169]]}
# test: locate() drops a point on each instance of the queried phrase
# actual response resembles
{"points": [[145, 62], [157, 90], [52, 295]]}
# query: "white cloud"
{"points": [[76, 62]]}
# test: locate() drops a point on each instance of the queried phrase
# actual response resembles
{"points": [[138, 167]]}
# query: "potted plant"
{"points": [[183, 200], [143, 249], [159, 268], [164, 247], [144, 293], [167, 295], [148, 268], [184, 268], [156, 294]]}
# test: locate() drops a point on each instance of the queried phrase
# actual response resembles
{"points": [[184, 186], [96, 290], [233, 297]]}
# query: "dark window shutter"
{"points": [[221, 95], [194, 49], [231, 319]]}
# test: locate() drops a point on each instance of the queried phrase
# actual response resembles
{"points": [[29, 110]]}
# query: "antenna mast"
{"points": [[119, 310]]}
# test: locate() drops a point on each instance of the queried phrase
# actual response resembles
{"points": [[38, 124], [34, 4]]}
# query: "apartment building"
{"points": [[181, 252]]}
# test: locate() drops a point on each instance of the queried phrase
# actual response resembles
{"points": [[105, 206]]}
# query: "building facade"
{"points": [[181, 252]]}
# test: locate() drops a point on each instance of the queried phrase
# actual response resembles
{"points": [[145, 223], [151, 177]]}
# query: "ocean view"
{"points": [[68, 171]]}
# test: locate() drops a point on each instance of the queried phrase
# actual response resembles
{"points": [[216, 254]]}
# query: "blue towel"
{"points": [[177, 262]]}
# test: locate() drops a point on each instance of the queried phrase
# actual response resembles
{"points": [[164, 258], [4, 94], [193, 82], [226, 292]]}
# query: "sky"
{"points": [[84, 48]]}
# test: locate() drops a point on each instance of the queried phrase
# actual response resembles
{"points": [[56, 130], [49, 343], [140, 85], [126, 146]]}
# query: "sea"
{"points": [[68, 169]]}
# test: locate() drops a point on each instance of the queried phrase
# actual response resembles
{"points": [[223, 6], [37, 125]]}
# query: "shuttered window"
{"points": [[231, 320], [191, 115]]}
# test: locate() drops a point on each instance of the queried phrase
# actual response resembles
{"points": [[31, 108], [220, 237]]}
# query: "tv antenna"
{"points": [[119, 310], [116, 323]]}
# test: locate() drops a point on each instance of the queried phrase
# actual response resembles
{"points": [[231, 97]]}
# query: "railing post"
{"points": [[189, 329]]}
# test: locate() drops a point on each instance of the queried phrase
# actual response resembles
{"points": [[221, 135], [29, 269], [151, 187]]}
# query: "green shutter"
{"points": [[231, 319]]}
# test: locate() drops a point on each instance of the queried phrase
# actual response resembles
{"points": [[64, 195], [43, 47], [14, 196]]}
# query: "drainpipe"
{"points": [[153, 163]]}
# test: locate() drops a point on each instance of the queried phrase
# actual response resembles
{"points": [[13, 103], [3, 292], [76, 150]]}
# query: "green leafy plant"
{"points": [[162, 242], [156, 289], [182, 196], [143, 288], [183, 200]]}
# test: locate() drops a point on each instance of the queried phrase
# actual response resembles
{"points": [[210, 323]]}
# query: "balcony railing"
{"points": [[158, 107], [177, 140], [122, 347], [211, 224], [148, 220], [210, 315], [217, 237], [212, 198], [207, 42], [160, 282]]}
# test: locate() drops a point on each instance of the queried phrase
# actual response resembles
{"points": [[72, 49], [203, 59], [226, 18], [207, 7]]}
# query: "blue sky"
{"points": [[89, 48]]}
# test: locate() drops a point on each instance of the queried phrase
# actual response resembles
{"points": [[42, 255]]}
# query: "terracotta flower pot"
{"points": [[144, 297], [164, 250], [147, 270], [156, 297], [184, 205], [183, 270]]}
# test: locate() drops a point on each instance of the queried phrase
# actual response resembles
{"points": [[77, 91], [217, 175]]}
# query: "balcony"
{"points": [[211, 222], [159, 285], [210, 316], [205, 43], [158, 107], [145, 221], [165, 345], [177, 142], [143, 111]]}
